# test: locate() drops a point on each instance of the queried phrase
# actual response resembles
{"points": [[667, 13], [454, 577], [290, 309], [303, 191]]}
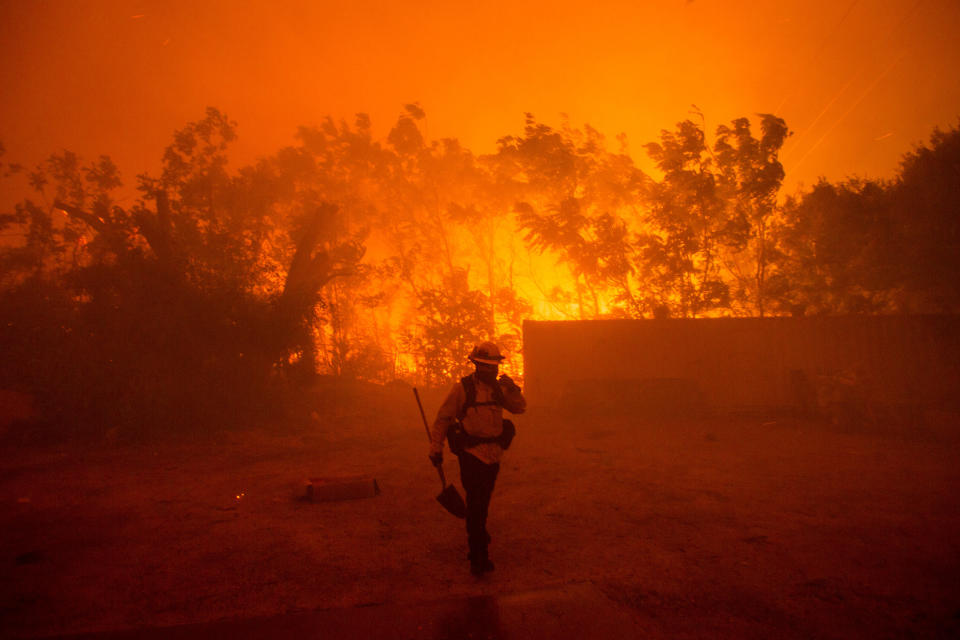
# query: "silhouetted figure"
{"points": [[471, 419]]}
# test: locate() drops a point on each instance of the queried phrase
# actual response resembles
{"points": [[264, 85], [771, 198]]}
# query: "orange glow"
{"points": [[840, 74], [857, 83]]}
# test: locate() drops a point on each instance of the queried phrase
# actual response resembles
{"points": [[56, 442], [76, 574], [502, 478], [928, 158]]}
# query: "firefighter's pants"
{"points": [[478, 479]]}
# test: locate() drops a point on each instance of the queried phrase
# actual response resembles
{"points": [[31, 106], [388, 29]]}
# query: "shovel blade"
{"points": [[452, 502]]}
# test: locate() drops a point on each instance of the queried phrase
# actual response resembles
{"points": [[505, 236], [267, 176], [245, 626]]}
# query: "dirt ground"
{"points": [[740, 528]]}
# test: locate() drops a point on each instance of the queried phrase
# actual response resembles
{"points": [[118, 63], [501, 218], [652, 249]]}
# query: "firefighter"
{"points": [[471, 419]]}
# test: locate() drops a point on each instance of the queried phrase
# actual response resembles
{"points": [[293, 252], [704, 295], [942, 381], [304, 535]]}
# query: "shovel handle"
{"points": [[422, 414], [443, 479]]}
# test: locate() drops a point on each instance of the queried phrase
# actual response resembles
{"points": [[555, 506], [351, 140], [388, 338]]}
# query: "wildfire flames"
{"points": [[390, 258]]}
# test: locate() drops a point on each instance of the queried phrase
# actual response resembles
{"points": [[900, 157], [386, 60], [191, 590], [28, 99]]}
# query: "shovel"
{"points": [[449, 497]]}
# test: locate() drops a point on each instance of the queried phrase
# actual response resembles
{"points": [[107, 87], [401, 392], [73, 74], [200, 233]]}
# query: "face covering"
{"points": [[487, 374]]}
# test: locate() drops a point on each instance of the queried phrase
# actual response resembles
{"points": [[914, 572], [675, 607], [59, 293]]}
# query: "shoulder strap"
{"points": [[470, 388]]}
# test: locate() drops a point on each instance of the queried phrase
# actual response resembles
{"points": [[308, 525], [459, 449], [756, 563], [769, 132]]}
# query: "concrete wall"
{"points": [[748, 363]]}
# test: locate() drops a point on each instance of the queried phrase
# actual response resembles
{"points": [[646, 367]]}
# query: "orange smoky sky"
{"points": [[859, 82]]}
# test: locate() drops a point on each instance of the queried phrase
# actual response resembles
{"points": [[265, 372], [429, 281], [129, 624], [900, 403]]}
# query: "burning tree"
{"points": [[575, 200], [750, 177], [375, 259], [175, 306]]}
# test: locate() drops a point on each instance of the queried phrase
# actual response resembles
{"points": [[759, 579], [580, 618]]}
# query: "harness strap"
{"points": [[458, 437], [470, 388]]}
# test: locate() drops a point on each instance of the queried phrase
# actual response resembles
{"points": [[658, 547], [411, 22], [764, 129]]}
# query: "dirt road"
{"points": [[708, 528]]}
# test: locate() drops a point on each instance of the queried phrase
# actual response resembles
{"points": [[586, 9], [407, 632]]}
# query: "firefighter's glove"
{"points": [[508, 382], [436, 458]]}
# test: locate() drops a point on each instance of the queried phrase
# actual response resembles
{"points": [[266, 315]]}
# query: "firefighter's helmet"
{"points": [[487, 353]]}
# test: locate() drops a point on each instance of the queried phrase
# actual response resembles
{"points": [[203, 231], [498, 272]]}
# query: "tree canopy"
{"points": [[388, 258]]}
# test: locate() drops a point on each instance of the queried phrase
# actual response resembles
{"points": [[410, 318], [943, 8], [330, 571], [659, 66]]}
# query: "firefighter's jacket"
{"points": [[485, 421]]}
